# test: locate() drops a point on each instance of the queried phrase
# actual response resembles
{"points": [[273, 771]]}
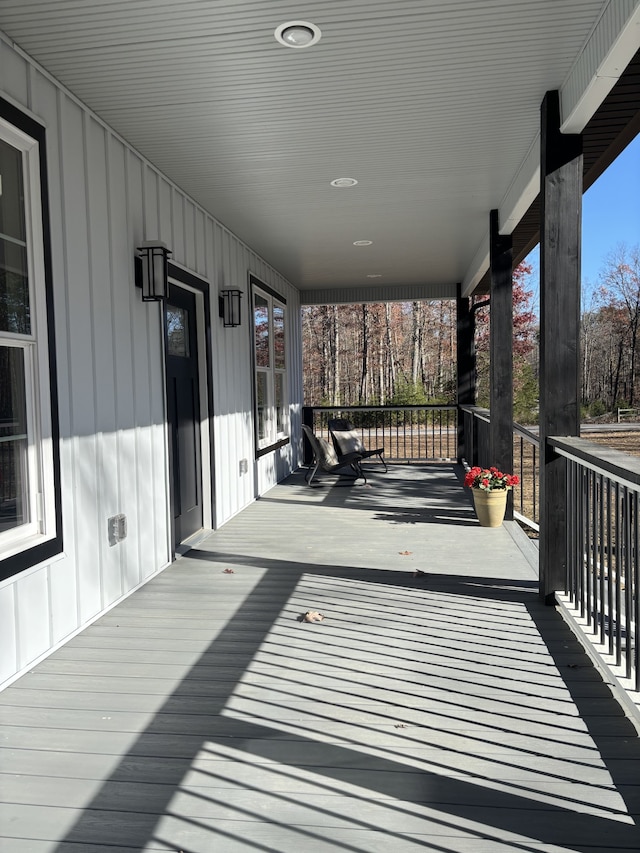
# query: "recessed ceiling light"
{"points": [[344, 182], [297, 34], [362, 242]]}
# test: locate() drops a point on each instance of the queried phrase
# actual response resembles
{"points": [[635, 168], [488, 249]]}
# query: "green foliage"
{"points": [[526, 395], [597, 408], [361, 420], [408, 394]]}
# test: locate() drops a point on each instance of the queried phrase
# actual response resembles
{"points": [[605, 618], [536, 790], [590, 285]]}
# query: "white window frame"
{"points": [[273, 437], [42, 524]]}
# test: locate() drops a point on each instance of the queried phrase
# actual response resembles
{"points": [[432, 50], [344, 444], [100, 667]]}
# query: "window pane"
{"points": [[12, 223], [177, 320], [261, 401], [261, 326], [278, 336], [14, 282], [14, 289], [13, 439], [279, 395]]}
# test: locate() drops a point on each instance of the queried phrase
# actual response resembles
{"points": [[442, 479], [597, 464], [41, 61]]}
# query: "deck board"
{"points": [[447, 712]]}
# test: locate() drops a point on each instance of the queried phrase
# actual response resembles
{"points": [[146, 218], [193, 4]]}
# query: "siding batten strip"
{"points": [[63, 317], [99, 563], [114, 340]]}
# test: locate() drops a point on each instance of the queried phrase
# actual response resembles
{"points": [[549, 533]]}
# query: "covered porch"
{"points": [[413, 154], [447, 711]]}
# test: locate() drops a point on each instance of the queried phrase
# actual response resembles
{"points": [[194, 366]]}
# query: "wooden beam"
{"points": [[466, 364], [501, 350], [560, 231]]}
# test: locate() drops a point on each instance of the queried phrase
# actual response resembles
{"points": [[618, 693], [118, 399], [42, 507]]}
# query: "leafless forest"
{"points": [[404, 353], [610, 328]]}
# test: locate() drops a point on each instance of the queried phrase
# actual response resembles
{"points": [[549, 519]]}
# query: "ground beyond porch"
{"points": [[444, 712]]}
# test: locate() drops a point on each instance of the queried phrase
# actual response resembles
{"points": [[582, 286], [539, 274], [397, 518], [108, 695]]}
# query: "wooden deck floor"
{"points": [[446, 712]]}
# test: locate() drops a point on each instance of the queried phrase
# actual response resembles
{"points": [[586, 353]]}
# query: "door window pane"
{"points": [[177, 320], [278, 336], [14, 509], [261, 327]]}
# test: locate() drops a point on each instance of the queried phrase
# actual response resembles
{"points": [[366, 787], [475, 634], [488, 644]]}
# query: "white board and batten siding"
{"points": [[104, 199]]}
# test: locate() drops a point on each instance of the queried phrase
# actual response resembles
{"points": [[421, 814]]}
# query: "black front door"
{"points": [[183, 412]]}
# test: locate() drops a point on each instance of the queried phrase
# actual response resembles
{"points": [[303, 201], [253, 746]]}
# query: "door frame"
{"points": [[200, 287]]}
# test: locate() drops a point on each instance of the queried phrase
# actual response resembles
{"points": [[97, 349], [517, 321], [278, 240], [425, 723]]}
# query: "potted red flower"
{"points": [[490, 487]]}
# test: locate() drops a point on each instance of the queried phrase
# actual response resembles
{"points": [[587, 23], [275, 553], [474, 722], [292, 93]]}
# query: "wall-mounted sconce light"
{"points": [[230, 307], [152, 269]]}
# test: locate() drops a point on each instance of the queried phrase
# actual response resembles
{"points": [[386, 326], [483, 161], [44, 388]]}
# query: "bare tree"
{"points": [[403, 351], [622, 280], [611, 332], [416, 342]]}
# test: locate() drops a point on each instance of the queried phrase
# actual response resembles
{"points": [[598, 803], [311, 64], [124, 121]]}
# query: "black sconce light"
{"points": [[152, 270], [229, 303]]}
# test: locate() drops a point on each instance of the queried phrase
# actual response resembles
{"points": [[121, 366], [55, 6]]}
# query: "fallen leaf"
{"points": [[400, 726], [419, 574], [313, 616], [228, 572], [405, 553]]}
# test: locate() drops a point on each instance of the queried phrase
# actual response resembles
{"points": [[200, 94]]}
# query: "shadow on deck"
{"points": [[449, 711]]}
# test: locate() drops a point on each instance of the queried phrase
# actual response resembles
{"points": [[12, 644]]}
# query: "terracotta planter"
{"points": [[490, 506]]}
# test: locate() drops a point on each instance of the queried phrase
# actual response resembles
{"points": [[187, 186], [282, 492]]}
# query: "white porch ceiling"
{"points": [[432, 105]]}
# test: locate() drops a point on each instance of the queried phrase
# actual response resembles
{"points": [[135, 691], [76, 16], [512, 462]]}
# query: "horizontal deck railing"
{"points": [[602, 581], [526, 460], [603, 564], [407, 433]]}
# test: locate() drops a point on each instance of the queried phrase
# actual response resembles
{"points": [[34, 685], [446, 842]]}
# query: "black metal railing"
{"points": [[526, 460], [475, 441], [407, 433], [603, 551], [602, 497], [526, 463]]}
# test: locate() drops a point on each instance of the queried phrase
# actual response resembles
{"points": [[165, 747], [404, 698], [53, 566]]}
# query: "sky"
{"points": [[610, 217], [611, 212]]}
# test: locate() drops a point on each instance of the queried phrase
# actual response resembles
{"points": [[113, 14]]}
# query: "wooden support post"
{"points": [[501, 351], [561, 171], [466, 366]]}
